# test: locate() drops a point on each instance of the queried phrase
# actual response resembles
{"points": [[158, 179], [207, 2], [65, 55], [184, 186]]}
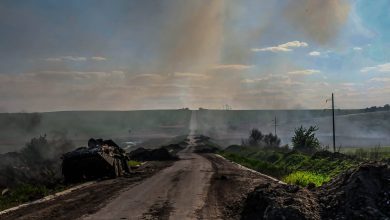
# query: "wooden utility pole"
{"points": [[334, 132]]}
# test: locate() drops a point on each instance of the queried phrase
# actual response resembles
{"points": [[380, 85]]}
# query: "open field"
{"points": [[376, 152], [354, 128], [151, 128]]}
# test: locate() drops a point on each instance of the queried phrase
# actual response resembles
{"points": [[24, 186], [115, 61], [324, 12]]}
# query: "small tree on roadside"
{"points": [[305, 140]]}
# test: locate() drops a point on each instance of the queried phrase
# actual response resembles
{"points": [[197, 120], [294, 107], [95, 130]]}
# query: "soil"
{"points": [[360, 193], [363, 193], [229, 187], [85, 200], [277, 201]]}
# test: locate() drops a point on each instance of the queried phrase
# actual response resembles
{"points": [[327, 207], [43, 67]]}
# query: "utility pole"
{"points": [[334, 132], [275, 124]]}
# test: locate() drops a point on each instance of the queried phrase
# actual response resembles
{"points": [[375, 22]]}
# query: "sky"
{"points": [[168, 54]]}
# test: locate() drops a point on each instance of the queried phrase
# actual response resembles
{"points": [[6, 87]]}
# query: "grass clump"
{"points": [[133, 163], [303, 178], [23, 193]]}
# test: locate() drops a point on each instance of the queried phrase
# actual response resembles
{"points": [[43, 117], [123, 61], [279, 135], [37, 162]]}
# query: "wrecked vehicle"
{"points": [[102, 158]]}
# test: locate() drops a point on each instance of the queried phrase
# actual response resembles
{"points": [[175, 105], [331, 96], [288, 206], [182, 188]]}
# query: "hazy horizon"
{"points": [[184, 108]]}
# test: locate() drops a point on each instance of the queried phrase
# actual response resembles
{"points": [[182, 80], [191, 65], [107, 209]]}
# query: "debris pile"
{"points": [[102, 158], [362, 193], [205, 145], [205, 149], [277, 201], [174, 148], [159, 154]]}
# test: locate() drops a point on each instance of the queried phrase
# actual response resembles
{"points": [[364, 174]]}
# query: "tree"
{"points": [[271, 140], [305, 140], [255, 137]]}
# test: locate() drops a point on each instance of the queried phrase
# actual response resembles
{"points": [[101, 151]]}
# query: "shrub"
{"points": [[305, 140]]}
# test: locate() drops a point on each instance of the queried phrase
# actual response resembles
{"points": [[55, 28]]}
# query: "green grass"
{"points": [[133, 163], [303, 178], [290, 166], [369, 153]]}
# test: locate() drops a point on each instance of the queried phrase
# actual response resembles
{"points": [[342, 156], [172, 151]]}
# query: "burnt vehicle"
{"points": [[102, 158]]}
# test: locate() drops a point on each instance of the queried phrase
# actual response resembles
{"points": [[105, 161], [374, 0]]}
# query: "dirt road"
{"points": [[177, 192]]}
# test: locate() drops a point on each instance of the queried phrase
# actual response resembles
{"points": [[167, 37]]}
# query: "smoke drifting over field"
{"points": [[170, 54]]}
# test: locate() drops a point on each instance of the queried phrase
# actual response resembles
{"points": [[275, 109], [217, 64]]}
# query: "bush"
{"points": [[257, 139], [305, 140]]}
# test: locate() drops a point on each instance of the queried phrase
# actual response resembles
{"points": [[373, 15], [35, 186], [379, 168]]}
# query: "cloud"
{"points": [[378, 68], [98, 58], [357, 48], [348, 84], [304, 72], [378, 79], [314, 53], [147, 75], [66, 58], [286, 47], [74, 58], [252, 80], [233, 66], [74, 75], [192, 75]]}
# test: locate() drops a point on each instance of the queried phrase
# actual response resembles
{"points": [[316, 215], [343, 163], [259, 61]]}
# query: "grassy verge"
{"points": [[291, 166], [26, 193]]}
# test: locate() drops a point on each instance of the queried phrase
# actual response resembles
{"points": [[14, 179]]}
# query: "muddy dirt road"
{"points": [[177, 192]]}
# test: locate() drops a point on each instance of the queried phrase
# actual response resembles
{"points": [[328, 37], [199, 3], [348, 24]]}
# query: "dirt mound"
{"points": [[173, 148], [201, 138], [142, 154], [276, 201], [205, 149], [362, 193], [205, 145]]}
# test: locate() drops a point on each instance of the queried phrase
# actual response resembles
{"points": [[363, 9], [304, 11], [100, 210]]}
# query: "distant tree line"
{"points": [[304, 139], [377, 109]]}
